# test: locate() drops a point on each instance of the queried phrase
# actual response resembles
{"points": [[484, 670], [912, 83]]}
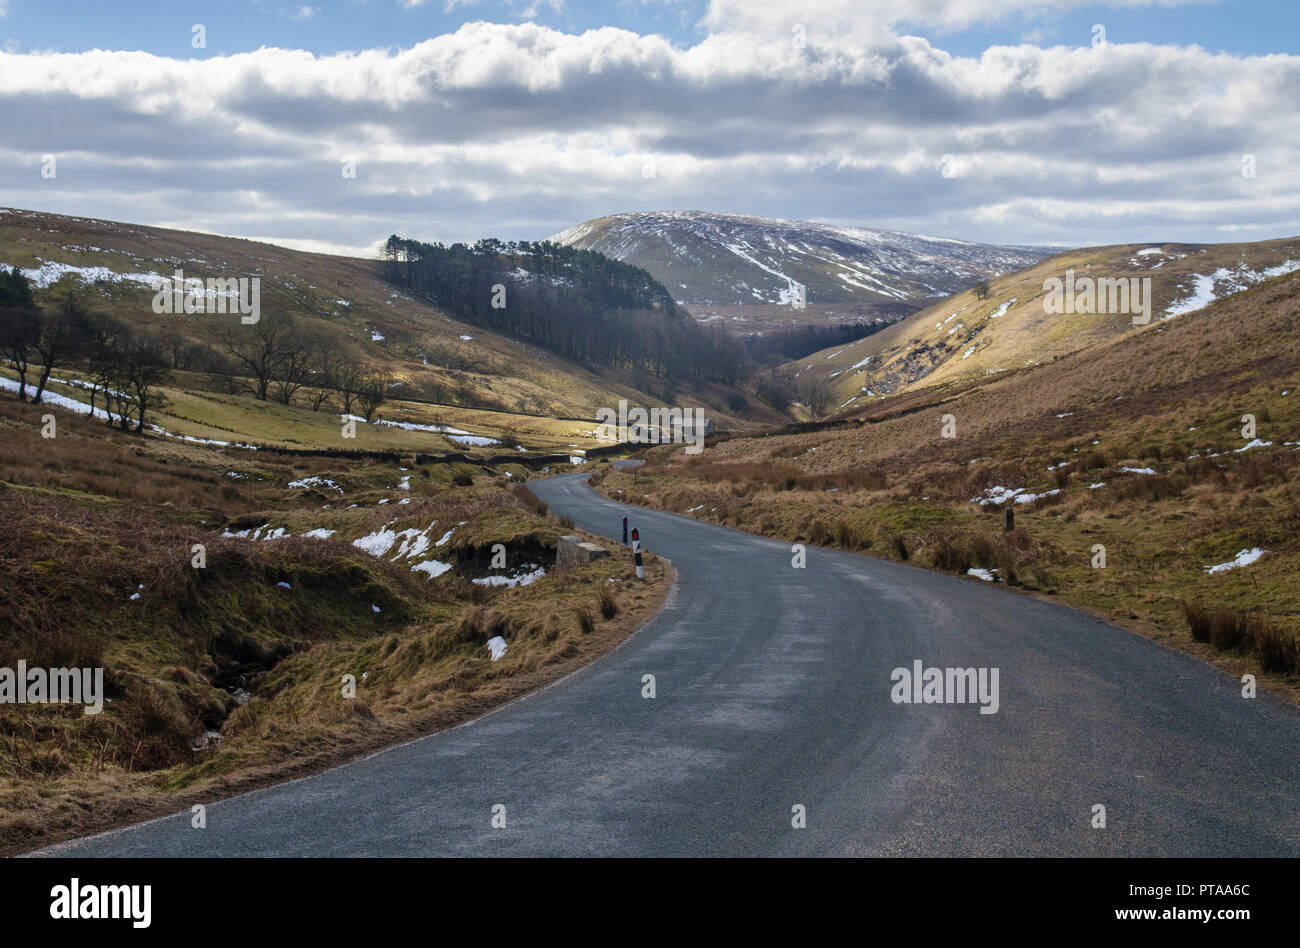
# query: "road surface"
{"points": [[773, 693]]}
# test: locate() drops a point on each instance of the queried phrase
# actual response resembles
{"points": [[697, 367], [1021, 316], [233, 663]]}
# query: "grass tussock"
{"points": [[1228, 628]]}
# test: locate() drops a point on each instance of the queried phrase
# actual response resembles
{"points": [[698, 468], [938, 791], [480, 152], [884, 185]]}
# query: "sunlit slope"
{"points": [[964, 338]]}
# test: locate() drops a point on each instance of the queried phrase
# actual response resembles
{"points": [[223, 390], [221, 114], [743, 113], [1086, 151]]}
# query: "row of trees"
{"points": [[795, 342], [278, 358], [122, 365], [578, 303]]}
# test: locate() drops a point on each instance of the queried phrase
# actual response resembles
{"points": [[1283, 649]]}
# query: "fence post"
{"points": [[1009, 517]]}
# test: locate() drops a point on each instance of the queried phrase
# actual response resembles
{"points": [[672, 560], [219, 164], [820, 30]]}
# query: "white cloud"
{"points": [[520, 130]]}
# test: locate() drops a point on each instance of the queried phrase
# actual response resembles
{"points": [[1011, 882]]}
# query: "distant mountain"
{"points": [[707, 259]]}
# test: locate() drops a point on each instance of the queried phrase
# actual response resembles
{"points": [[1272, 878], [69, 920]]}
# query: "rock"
{"points": [[571, 550]]}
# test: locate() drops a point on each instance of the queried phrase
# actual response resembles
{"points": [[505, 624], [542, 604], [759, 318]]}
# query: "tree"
{"points": [[374, 392], [179, 349], [816, 395], [323, 371], [144, 367], [297, 363], [59, 340], [19, 324], [103, 340], [349, 379], [262, 348], [982, 290]]}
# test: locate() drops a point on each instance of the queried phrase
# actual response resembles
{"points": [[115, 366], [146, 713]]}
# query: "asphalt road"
{"points": [[773, 689]]}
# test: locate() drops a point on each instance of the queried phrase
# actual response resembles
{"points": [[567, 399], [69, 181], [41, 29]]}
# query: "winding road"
{"points": [[773, 691]]}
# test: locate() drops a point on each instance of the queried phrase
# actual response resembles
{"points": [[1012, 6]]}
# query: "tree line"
{"points": [[786, 345], [278, 358], [122, 366], [578, 303]]}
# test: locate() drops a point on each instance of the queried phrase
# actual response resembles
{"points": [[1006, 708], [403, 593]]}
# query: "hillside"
{"points": [[1154, 478], [964, 338], [450, 385], [226, 593], [723, 260]]}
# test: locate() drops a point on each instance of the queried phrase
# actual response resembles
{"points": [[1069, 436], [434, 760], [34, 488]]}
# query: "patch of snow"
{"points": [[997, 495], [1030, 498], [432, 567], [1243, 558], [1254, 444], [497, 646], [315, 481], [377, 543], [522, 579]]}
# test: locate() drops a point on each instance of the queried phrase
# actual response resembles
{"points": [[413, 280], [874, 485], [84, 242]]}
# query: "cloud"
{"points": [[520, 130]]}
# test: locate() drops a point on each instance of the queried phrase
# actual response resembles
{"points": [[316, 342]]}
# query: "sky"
{"points": [[329, 126]]}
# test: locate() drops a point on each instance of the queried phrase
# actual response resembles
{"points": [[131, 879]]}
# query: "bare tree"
{"points": [[374, 392], [296, 365], [103, 339], [816, 395], [349, 379], [323, 372], [59, 341], [144, 366], [262, 348]]}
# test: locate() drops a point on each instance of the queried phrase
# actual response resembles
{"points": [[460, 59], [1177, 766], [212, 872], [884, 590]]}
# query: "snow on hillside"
{"points": [[720, 259]]}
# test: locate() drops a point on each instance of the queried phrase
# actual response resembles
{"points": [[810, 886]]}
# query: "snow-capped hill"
{"points": [[720, 259]]}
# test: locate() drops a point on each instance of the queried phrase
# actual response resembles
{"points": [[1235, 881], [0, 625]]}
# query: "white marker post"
{"points": [[636, 554]]}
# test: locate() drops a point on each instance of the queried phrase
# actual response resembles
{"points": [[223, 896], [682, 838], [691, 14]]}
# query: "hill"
{"points": [[720, 260], [965, 337], [1152, 474], [448, 384]]}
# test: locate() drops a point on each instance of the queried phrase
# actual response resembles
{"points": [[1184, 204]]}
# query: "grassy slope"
{"points": [[929, 347], [1169, 397], [93, 517], [528, 387]]}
